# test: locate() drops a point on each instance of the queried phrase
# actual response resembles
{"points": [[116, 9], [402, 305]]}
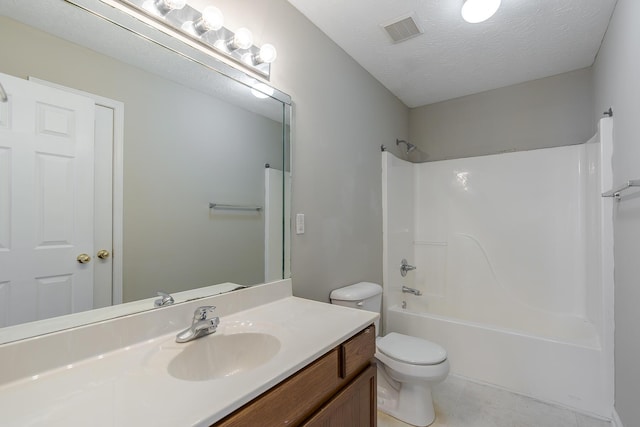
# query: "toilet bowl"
{"points": [[407, 366]]}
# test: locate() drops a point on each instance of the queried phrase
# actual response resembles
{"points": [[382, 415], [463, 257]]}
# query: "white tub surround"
{"points": [[114, 373], [514, 262]]}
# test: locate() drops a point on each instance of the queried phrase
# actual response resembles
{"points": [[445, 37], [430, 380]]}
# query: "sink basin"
{"points": [[220, 355]]}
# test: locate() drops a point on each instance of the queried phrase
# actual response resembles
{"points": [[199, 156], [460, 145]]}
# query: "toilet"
{"points": [[407, 366]]}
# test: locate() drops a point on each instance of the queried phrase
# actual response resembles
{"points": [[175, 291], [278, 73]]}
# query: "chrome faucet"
{"points": [[201, 325], [408, 290], [404, 267], [165, 299]]}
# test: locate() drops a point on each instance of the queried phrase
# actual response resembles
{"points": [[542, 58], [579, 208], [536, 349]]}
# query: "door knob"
{"points": [[83, 258], [103, 254]]}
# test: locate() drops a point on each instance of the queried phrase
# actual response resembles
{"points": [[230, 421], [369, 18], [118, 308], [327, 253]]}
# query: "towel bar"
{"points": [[234, 207], [616, 193]]}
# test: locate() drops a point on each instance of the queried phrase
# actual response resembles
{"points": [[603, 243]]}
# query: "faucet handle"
{"points": [[213, 324], [202, 313], [405, 267]]}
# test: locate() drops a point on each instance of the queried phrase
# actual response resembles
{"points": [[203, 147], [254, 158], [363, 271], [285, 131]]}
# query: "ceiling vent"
{"points": [[402, 29]]}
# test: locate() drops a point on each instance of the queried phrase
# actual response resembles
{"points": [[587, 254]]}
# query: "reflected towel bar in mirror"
{"points": [[234, 207], [616, 193]]}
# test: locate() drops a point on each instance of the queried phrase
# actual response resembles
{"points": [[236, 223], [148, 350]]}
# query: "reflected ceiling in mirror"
{"points": [[203, 29], [192, 134]]}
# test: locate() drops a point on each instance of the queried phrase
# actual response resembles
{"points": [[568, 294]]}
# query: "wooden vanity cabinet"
{"points": [[338, 389], [354, 405]]}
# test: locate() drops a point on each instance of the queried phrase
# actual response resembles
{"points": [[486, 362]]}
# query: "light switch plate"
{"points": [[299, 223]]}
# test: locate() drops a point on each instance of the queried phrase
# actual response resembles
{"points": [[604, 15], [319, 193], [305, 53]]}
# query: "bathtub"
{"points": [[543, 364]]}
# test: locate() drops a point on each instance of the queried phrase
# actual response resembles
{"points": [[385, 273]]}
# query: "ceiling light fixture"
{"points": [[203, 30], [476, 11]]}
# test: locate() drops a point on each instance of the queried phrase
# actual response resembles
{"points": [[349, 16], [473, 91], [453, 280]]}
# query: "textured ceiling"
{"points": [[525, 40]]}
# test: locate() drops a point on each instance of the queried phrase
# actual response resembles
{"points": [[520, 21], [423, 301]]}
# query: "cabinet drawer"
{"points": [[356, 354], [293, 400]]}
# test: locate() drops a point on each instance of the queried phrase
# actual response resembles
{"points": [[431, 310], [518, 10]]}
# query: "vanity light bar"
{"points": [[207, 30]]}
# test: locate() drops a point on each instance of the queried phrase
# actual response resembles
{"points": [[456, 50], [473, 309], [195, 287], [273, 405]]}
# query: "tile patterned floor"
{"points": [[461, 403]]}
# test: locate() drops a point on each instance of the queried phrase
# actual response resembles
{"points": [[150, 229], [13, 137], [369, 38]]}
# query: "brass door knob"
{"points": [[103, 254], [83, 258]]}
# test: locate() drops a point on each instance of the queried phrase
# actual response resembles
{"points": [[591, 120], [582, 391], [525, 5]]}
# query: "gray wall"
{"points": [[543, 113], [341, 117], [616, 82]]}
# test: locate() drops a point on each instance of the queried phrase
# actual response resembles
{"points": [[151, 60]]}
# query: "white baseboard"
{"points": [[616, 422]]}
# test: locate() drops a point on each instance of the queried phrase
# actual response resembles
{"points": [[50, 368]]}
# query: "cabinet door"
{"points": [[292, 401], [354, 406]]}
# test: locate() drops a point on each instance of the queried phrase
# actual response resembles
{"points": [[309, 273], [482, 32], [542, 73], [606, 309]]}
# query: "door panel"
{"points": [[55, 295], [54, 200]]}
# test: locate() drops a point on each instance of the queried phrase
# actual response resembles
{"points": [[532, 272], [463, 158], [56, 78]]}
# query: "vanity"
{"points": [[275, 360], [339, 388]]}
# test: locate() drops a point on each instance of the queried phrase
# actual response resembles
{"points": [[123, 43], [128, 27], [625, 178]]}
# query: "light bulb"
{"points": [[267, 54], [475, 11], [243, 39], [211, 20]]}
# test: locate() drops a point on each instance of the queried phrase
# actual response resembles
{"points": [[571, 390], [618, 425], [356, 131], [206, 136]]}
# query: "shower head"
{"points": [[410, 146]]}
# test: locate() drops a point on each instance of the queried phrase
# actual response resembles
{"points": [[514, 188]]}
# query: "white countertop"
{"points": [[131, 386]]}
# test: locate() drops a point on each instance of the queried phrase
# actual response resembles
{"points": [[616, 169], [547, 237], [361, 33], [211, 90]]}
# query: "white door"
{"points": [[108, 169], [46, 202]]}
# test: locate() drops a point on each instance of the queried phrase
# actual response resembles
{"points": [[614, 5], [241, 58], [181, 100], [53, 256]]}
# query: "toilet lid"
{"points": [[413, 350]]}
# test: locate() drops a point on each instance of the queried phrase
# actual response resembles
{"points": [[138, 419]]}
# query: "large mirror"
{"points": [[130, 163]]}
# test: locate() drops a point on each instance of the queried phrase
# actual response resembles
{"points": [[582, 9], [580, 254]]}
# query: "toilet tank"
{"points": [[363, 295]]}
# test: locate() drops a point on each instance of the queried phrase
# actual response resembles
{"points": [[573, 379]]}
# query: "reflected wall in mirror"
{"points": [[130, 141]]}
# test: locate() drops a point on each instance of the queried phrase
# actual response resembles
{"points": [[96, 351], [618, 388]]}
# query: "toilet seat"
{"points": [[411, 350]]}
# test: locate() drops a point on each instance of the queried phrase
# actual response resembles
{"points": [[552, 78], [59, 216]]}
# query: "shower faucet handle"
{"points": [[404, 267]]}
